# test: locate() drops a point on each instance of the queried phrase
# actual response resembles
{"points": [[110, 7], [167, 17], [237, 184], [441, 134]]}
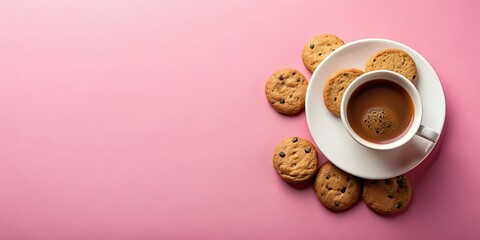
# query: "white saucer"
{"points": [[336, 144]]}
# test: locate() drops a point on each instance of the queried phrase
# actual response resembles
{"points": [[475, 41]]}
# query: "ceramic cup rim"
{"points": [[402, 81]]}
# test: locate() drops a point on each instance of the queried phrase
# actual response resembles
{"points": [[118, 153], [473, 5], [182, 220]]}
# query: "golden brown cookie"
{"points": [[318, 49], [335, 86], [336, 189], [295, 160], [286, 90], [394, 60], [387, 196]]}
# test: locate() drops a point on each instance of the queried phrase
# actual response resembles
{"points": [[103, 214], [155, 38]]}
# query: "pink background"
{"points": [[147, 119]]}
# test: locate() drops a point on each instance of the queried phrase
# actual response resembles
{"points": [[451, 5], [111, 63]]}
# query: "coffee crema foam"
{"points": [[380, 121]]}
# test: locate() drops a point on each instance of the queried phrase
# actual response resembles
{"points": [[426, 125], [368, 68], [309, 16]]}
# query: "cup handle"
{"points": [[427, 133]]}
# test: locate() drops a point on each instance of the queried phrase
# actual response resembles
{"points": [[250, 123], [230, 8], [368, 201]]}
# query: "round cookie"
{"points": [[295, 160], [335, 86], [388, 196], [286, 90], [336, 189], [394, 60], [318, 49]]}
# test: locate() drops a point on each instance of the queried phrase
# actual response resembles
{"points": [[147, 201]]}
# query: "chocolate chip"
{"points": [[337, 204], [328, 177], [281, 77], [399, 205], [293, 74], [414, 76], [282, 101], [328, 187], [343, 189], [400, 183], [308, 149], [312, 46], [282, 154], [390, 196], [298, 79], [295, 139], [387, 181]]}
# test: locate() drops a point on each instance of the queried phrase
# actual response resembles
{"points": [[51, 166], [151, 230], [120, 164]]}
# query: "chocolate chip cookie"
{"points": [[318, 49], [336, 189], [295, 160], [387, 196], [394, 60], [335, 87], [286, 90]]}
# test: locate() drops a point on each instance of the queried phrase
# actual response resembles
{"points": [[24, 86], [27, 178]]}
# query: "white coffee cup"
{"points": [[415, 127]]}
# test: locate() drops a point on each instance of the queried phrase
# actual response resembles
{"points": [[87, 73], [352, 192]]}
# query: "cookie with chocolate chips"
{"points": [[387, 196], [335, 87], [336, 189], [318, 48], [286, 90], [394, 60], [295, 160]]}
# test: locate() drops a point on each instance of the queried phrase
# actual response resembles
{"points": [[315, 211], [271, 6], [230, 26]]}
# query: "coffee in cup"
{"points": [[380, 111]]}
